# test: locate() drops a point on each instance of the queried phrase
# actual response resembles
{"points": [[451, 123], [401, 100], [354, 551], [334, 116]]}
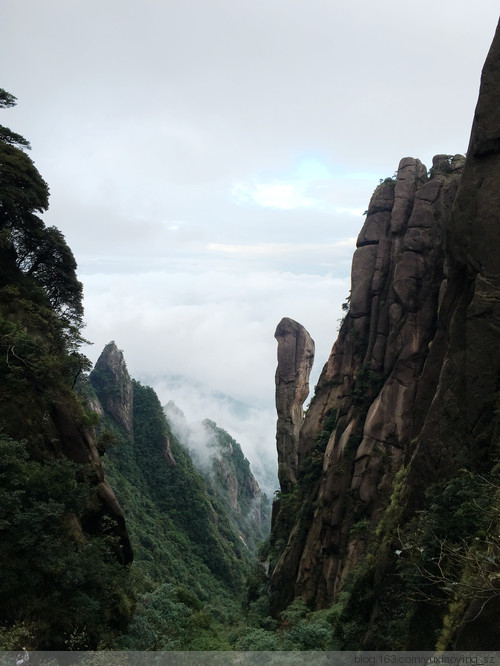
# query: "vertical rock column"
{"points": [[295, 360], [370, 381], [113, 385]]}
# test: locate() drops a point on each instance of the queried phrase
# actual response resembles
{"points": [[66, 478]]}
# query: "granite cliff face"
{"points": [[295, 360], [112, 382], [405, 404], [370, 381], [115, 392]]}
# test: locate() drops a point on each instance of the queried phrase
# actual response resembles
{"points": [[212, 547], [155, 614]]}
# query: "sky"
{"points": [[210, 161]]}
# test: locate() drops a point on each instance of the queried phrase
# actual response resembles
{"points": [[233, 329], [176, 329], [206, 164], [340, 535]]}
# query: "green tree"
{"points": [[58, 588], [62, 584], [26, 244], [6, 99]]}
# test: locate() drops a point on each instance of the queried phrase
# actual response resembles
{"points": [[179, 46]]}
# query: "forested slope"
{"points": [[226, 470], [190, 562], [64, 546]]}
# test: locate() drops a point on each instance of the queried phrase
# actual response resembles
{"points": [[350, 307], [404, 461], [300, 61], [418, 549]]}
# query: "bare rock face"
{"points": [[167, 452], [367, 389], [462, 421], [295, 360], [113, 385], [407, 399]]}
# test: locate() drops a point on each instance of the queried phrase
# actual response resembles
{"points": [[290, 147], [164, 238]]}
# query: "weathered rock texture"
{"points": [[372, 374], [113, 384], [410, 386], [80, 445], [295, 360]]}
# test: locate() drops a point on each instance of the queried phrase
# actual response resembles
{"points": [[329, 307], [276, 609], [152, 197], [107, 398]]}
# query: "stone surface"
{"points": [[167, 452], [112, 382], [413, 375], [295, 360], [371, 378], [80, 445]]}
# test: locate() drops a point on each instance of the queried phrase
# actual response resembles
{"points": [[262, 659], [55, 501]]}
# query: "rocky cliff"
{"points": [[405, 404], [367, 389], [113, 385], [115, 394], [295, 360]]}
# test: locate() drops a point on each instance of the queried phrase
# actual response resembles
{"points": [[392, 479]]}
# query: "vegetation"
{"points": [[229, 477], [61, 584], [368, 384], [194, 583], [27, 246], [56, 584], [442, 560], [190, 564]]}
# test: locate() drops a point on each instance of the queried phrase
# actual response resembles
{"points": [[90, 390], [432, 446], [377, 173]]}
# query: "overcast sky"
{"points": [[210, 160]]}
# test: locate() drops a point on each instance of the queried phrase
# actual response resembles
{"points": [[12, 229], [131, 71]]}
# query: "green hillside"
{"points": [[63, 547], [190, 565]]}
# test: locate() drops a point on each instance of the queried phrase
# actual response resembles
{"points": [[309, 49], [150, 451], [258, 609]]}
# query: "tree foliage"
{"points": [[6, 99], [61, 583], [26, 244], [58, 588]]}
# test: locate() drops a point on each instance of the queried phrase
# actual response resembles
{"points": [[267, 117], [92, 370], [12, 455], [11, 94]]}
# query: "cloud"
{"points": [[252, 427], [278, 194], [311, 183], [217, 327], [209, 161], [273, 249]]}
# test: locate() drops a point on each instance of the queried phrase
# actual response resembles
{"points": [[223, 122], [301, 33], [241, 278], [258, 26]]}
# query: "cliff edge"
{"points": [[399, 442]]}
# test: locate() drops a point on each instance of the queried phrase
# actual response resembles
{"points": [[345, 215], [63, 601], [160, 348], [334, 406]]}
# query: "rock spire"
{"points": [[295, 360]]}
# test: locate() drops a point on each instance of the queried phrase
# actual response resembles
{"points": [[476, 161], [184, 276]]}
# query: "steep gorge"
{"points": [[388, 512]]}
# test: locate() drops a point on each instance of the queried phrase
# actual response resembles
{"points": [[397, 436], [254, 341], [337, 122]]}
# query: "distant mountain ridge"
{"points": [[186, 530], [252, 426], [222, 463]]}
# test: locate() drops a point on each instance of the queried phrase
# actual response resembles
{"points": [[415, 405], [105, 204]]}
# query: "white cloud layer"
{"points": [[209, 162], [217, 327]]}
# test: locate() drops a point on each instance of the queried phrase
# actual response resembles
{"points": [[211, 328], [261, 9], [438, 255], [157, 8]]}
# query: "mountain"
{"points": [[251, 425], [385, 531], [193, 539], [226, 470], [64, 546], [389, 504]]}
